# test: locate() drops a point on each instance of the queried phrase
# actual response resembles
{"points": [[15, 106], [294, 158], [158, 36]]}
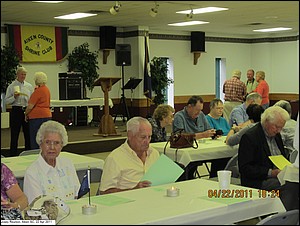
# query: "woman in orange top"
{"points": [[262, 88], [38, 109]]}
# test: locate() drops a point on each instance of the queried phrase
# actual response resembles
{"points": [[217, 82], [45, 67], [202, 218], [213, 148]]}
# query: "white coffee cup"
{"points": [[224, 178], [17, 89]]}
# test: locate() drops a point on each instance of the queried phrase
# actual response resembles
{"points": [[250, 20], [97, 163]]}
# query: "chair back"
{"points": [[232, 165], [95, 175], [293, 156], [30, 152], [20, 182], [290, 217]]}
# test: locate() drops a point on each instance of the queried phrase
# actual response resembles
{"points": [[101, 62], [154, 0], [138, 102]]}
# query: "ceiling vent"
{"points": [[255, 24], [96, 11]]}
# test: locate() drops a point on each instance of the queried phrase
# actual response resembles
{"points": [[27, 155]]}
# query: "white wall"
{"points": [[279, 61]]}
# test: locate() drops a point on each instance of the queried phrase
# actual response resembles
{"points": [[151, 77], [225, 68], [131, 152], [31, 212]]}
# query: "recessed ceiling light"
{"points": [[49, 1], [203, 10], [273, 29], [188, 23], [74, 16], [271, 17]]}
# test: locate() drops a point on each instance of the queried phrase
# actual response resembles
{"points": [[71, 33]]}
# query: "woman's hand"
{"points": [[5, 203]]}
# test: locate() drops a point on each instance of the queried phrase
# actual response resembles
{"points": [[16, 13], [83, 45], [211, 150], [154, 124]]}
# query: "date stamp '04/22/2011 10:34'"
{"points": [[241, 193]]}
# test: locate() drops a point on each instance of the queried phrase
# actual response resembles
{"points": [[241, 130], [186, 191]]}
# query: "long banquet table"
{"points": [[208, 149], [19, 164], [194, 205], [79, 103]]}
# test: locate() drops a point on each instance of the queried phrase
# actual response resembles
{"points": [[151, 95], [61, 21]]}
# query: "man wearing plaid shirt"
{"points": [[235, 91]]}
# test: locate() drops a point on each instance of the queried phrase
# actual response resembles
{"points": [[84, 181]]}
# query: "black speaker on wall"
{"points": [[197, 41], [108, 37], [123, 55]]}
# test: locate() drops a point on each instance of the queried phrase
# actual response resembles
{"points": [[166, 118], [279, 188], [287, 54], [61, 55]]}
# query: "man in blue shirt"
{"points": [[191, 119], [238, 115]]}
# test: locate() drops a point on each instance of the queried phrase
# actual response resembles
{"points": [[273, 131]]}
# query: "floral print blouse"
{"points": [[7, 180], [159, 134]]}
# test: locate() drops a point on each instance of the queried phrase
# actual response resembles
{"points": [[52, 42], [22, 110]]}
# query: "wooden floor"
{"points": [[75, 134], [81, 139]]}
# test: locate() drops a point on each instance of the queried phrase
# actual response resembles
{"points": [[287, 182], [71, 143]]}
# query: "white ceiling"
{"points": [[239, 21]]}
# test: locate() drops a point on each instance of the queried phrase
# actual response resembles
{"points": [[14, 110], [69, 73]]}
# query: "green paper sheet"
{"points": [[163, 171], [111, 200]]}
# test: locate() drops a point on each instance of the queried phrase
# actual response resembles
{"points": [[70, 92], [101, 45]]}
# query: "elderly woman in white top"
{"points": [[51, 174]]}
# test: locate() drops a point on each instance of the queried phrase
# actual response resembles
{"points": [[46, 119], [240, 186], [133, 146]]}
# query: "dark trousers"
{"points": [[216, 165], [17, 120], [189, 171], [191, 168], [289, 195], [34, 125]]}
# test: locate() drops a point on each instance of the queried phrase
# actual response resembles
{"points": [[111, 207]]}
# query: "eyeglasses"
{"points": [[49, 143]]}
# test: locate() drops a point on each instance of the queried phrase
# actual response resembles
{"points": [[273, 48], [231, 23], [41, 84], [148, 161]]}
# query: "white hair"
{"points": [[40, 78], [133, 124], [52, 127]]}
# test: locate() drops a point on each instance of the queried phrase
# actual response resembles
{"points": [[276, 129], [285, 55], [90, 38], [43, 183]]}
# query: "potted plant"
{"points": [[10, 60], [81, 59], [159, 79]]}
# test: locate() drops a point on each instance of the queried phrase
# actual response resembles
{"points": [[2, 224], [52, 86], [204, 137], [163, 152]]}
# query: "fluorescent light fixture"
{"points": [[203, 10], [188, 23], [49, 1], [74, 16], [273, 29]]}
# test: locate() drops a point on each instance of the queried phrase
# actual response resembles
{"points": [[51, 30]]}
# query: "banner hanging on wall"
{"points": [[39, 43]]}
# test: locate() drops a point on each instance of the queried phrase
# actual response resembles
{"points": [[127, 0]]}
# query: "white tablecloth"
{"points": [[211, 149], [192, 206], [78, 103], [19, 164]]}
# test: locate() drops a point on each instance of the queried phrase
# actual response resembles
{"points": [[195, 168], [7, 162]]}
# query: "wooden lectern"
{"points": [[106, 126]]}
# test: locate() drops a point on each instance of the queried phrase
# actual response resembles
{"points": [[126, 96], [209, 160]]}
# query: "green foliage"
{"points": [[9, 62], [159, 79], [84, 61]]}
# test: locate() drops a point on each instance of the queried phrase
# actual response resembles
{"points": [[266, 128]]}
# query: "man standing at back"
{"points": [[251, 83], [235, 91], [17, 94]]}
